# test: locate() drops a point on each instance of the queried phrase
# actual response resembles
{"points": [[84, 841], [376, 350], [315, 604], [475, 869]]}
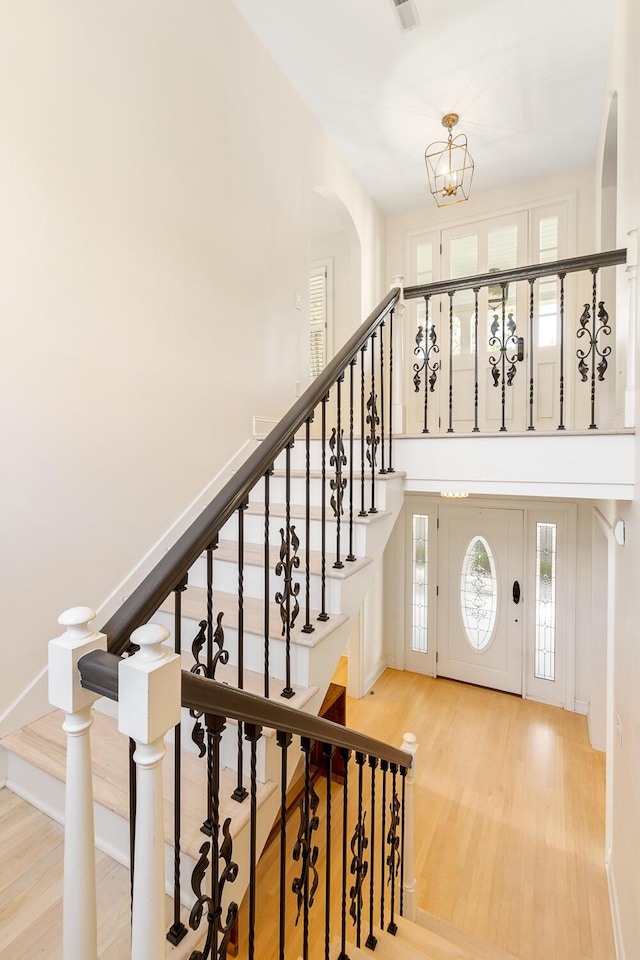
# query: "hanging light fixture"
{"points": [[449, 166]]}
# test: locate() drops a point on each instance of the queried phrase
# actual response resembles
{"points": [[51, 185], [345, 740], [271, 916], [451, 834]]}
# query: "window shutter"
{"points": [[318, 319]]}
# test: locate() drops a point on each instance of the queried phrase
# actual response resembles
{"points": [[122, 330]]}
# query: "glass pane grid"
{"points": [[545, 648], [420, 583]]}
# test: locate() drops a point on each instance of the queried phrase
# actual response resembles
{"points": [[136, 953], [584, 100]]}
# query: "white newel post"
{"points": [[398, 359], [148, 707], [410, 745], [79, 925], [632, 274]]}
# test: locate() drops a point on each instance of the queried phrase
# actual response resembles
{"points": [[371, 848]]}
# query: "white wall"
{"points": [[624, 762], [156, 171]]}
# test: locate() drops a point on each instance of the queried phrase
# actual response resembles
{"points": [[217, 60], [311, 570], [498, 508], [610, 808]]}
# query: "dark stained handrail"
{"points": [[99, 673], [609, 258], [166, 575]]}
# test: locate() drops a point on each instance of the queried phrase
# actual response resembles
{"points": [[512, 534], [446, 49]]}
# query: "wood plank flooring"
{"points": [[31, 891], [510, 801]]}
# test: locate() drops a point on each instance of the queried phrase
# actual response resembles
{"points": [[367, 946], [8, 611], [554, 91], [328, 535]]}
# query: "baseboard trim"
{"points": [[581, 706], [374, 675], [615, 914]]}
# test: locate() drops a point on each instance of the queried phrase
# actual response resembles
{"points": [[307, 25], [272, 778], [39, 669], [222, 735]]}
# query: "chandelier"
{"points": [[449, 166]]}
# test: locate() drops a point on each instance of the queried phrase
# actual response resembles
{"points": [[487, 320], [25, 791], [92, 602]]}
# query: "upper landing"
{"points": [[583, 464]]}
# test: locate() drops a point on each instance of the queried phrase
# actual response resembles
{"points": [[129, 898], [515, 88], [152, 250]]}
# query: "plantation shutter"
{"points": [[318, 319]]}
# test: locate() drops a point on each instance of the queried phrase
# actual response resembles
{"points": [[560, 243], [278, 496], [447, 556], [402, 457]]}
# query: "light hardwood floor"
{"points": [[509, 814]]}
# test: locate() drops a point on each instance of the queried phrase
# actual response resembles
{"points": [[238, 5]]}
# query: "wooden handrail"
{"points": [[99, 673], [170, 571], [609, 258]]}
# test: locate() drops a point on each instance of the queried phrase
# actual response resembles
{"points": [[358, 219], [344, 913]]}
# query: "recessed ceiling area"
{"points": [[528, 81]]}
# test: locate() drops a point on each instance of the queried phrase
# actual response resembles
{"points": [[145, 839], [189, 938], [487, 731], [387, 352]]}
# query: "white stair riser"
{"points": [[254, 532], [225, 578], [277, 492], [253, 651], [298, 454]]}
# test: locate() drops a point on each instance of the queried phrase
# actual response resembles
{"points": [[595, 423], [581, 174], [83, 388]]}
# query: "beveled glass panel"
{"points": [[478, 593], [545, 653], [420, 583]]}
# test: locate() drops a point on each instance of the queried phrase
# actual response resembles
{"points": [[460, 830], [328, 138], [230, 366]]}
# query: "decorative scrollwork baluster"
{"points": [[338, 484], [589, 357], [215, 861], [373, 422], [287, 598], [206, 668], [305, 851], [393, 843], [503, 337], [426, 349], [359, 865]]}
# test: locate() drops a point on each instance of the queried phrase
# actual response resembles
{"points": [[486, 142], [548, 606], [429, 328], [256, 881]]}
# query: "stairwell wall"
{"points": [[156, 170]]}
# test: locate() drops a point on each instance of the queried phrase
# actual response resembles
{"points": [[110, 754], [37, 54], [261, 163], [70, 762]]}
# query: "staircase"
{"points": [[36, 754]]}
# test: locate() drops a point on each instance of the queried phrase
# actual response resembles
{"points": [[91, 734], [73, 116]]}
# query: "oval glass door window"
{"points": [[478, 593]]}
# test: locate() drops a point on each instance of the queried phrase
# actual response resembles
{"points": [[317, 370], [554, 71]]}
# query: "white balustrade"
{"points": [[148, 707], [79, 929]]}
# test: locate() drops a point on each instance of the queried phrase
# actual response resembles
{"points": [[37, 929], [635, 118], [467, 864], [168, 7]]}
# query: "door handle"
{"points": [[516, 592]]}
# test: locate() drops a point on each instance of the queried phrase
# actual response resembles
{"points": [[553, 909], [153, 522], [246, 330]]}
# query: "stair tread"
{"points": [[43, 744], [357, 475], [298, 511], [446, 941], [254, 556], [194, 607], [414, 941], [32, 888]]}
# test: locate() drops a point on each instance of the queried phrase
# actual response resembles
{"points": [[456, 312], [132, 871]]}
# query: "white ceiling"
{"points": [[526, 76]]}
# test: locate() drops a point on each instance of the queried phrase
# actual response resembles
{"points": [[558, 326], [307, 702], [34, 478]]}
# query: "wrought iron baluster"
{"points": [[328, 751], [305, 850], [599, 326], [393, 843], [363, 512], [531, 383], [426, 349], [308, 626], [216, 861], [384, 766], [338, 460], [403, 774], [253, 733], [476, 428], [503, 376], [323, 615], [372, 940], [351, 556], [177, 931], [390, 467], [373, 420], [240, 793], [284, 742], [359, 865], [450, 427], [267, 565], [345, 755], [381, 351], [288, 562], [561, 423]]}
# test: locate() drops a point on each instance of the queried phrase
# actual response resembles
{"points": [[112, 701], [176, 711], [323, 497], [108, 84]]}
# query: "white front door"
{"points": [[480, 577]]}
